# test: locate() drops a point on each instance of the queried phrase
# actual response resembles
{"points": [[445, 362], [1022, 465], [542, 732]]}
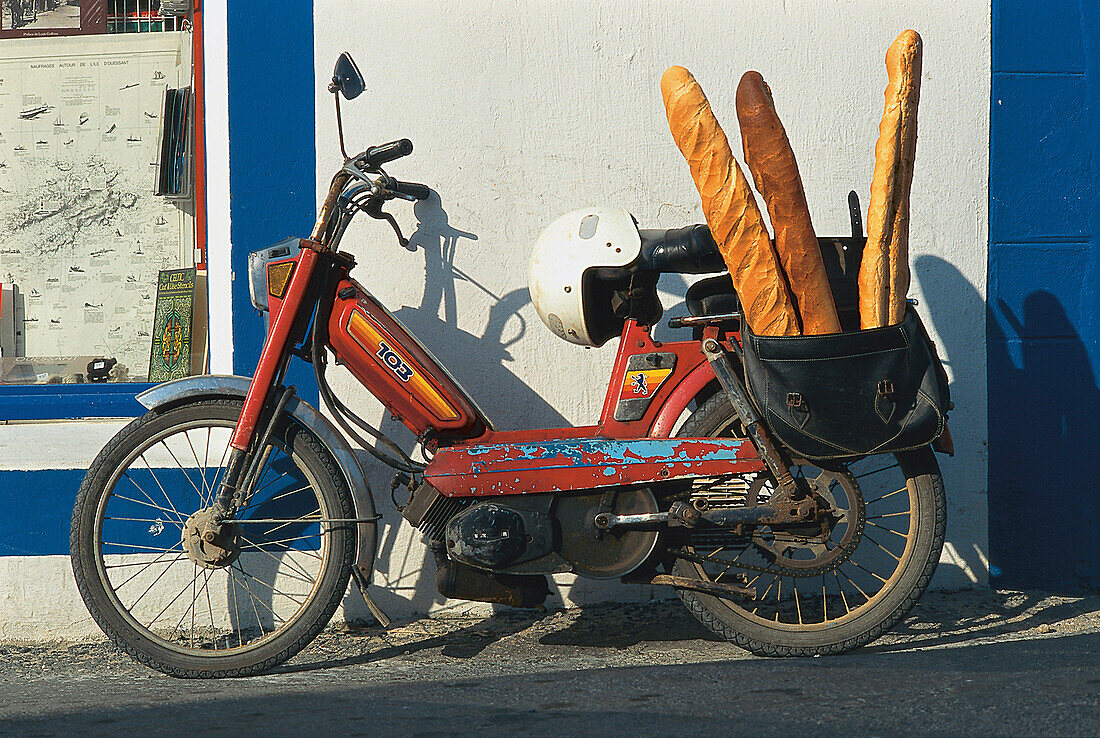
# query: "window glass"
{"points": [[97, 277]]}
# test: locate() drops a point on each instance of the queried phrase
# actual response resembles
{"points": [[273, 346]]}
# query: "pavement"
{"points": [[977, 662]]}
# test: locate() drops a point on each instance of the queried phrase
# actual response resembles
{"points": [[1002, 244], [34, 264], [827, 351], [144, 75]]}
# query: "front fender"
{"points": [[306, 415]]}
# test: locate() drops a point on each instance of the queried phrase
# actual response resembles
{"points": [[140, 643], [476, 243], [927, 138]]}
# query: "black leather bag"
{"points": [[847, 395]]}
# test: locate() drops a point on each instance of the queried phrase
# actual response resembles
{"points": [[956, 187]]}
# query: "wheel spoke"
{"points": [[293, 564], [876, 471], [173, 600], [182, 470], [157, 560], [843, 597], [156, 479], [272, 587], [256, 599], [891, 553], [151, 585], [178, 518], [888, 530], [201, 468]]}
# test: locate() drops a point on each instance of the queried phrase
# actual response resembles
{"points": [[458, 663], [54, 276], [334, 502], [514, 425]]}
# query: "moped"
{"points": [[216, 534]]}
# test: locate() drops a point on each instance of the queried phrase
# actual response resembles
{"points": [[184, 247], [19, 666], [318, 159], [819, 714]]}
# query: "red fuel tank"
{"points": [[398, 370]]}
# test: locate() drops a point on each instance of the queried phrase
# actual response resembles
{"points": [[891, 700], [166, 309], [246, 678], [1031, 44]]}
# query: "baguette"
{"points": [[729, 207], [884, 269], [771, 161]]}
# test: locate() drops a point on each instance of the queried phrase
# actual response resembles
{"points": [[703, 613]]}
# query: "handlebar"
{"points": [[414, 190], [376, 156]]}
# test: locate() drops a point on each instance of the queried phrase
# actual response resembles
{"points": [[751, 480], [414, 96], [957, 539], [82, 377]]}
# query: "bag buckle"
{"points": [[794, 399], [885, 388]]}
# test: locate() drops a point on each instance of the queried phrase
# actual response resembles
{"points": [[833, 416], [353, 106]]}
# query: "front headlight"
{"points": [[260, 279]]}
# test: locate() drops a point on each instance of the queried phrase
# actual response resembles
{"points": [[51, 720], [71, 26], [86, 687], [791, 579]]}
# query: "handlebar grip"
{"points": [[413, 189], [379, 155]]}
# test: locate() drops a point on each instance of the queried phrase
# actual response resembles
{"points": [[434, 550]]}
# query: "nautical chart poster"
{"points": [[81, 232]]}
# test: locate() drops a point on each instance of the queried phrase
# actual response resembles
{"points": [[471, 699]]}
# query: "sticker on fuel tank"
{"points": [[374, 339]]}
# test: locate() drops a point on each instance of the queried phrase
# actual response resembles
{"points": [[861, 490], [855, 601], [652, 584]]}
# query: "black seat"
{"points": [[716, 296], [712, 296]]}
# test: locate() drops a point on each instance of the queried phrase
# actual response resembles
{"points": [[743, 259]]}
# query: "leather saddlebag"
{"points": [[852, 394]]}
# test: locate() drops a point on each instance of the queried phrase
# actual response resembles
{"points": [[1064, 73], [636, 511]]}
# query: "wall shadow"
{"points": [[479, 361], [1044, 429], [1044, 421], [954, 307]]}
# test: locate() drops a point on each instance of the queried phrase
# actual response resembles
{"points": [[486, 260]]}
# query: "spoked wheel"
{"points": [[826, 587], [195, 607]]}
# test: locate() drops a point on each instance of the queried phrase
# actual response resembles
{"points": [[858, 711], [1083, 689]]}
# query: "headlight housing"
{"points": [[269, 271]]}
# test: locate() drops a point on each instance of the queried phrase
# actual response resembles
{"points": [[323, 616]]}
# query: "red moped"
{"points": [[216, 534]]}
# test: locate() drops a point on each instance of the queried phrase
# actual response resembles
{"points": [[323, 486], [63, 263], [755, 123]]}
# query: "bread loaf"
{"points": [[771, 161], [884, 270], [729, 207]]}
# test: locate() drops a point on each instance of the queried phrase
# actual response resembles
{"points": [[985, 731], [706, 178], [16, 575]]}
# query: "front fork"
{"points": [[248, 456]]}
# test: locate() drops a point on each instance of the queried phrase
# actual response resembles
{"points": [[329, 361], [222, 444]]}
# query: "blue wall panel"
{"points": [[34, 511], [1044, 270], [272, 159]]}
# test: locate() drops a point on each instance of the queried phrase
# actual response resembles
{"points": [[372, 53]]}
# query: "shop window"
{"points": [[102, 277]]}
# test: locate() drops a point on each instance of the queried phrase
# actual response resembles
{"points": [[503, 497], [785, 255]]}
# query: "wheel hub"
{"points": [[210, 544]]}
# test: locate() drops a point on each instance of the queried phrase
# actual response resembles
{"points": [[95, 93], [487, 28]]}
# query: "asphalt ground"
{"points": [[969, 663]]}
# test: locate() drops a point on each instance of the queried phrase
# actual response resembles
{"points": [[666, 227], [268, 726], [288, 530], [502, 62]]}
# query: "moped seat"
{"points": [[712, 296]]}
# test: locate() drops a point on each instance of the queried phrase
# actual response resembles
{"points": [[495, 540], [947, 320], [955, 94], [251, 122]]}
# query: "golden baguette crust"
{"points": [[771, 161], [729, 207], [884, 270]]}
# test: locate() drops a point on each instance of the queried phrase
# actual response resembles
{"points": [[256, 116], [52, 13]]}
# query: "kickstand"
{"points": [[375, 610]]}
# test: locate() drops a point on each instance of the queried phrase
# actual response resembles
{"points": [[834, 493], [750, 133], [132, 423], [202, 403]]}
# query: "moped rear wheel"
{"points": [[819, 589], [188, 609]]}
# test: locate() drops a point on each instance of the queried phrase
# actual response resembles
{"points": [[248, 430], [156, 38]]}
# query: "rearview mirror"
{"points": [[346, 78]]}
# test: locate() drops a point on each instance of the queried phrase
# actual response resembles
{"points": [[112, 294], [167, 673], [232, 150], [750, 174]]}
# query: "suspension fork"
{"points": [[272, 358]]}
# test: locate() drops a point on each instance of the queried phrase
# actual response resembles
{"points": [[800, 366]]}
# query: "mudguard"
{"points": [[688, 389], [225, 385]]}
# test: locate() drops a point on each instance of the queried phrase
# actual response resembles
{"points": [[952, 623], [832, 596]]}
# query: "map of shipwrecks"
{"points": [[81, 233]]}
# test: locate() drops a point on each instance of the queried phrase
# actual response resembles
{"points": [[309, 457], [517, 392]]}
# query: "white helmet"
{"points": [[570, 297]]}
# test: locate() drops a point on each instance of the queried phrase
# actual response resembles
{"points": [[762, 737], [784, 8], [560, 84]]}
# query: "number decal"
{"points": [[394, 362]]}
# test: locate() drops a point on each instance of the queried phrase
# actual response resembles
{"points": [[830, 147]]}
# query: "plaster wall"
{"points": [[522, 111]]}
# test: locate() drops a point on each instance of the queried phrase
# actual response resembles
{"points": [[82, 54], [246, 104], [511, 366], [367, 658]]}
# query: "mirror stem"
{"points": [[340, 125]]}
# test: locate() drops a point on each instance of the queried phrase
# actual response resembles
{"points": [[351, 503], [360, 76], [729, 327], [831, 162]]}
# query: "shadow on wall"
{"points": [[1044, 420], [1044, 424], [479, 361], [954, 307]]}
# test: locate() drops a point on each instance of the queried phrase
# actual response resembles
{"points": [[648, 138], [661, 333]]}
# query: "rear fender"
{"points": [[304, 414], [690, 388]]}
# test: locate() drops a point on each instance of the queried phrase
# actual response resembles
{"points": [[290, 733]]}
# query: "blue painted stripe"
{"points": [[272, 154], [1043, 318], [35, 507]]}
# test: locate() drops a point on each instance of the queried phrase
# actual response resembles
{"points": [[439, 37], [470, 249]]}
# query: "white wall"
{"points": [[521, 111]]}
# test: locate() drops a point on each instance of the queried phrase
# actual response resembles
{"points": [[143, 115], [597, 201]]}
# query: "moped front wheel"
{"points": [[190, 609], [822, 588]]}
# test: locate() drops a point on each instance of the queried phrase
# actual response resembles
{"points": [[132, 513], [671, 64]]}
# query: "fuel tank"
{"points": [[398, 370]]}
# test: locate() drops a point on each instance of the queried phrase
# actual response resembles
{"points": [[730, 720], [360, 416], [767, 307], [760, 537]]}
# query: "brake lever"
{"points": [[374, 210]]}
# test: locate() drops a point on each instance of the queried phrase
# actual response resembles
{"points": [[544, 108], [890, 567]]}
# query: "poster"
{"points": [[81, 232], [170, 356]]}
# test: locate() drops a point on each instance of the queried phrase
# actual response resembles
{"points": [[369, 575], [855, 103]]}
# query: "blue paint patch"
{"points": [[609, 471], [586, 453]]}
